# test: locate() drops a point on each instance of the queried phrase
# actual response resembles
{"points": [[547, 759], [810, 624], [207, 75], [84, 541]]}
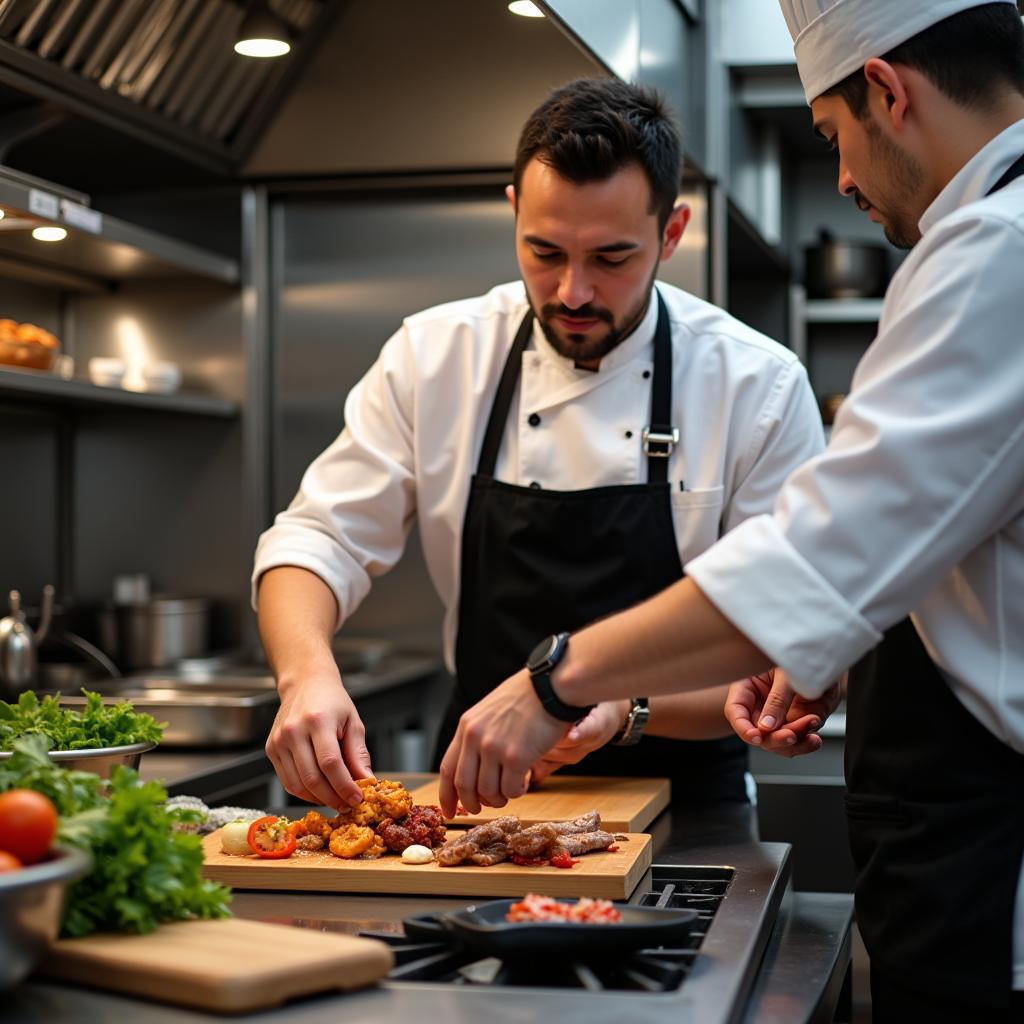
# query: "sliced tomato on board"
{"points": [[271, 837]]}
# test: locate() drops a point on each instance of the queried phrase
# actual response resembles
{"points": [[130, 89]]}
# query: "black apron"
{"points": [[935, 806], [536, 562]]}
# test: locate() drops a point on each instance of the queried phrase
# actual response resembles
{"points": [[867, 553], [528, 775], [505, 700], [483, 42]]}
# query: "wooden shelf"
{"points": [[44, 387], [842, 311]]}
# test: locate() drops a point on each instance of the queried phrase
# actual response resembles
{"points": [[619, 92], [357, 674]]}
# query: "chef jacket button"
{"points": [[535, 486], [629, 434], [647, 374], [534, 419]]}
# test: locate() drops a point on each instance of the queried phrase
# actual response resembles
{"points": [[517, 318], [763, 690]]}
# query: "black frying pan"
{"points": [[485, 928]]}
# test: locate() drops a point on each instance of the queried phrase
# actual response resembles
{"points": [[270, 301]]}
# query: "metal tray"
{"points": [[221, 712]]}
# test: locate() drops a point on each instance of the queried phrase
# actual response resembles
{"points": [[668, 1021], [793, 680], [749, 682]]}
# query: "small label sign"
{"points": [[79, 216], [43, 204]]}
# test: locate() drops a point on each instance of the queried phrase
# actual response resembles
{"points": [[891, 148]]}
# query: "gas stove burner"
{"points": [[428, 951]]}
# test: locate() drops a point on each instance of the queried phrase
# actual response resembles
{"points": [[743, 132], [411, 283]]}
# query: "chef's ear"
{"points": [[674, 228], [510, 195], [888, 85]]}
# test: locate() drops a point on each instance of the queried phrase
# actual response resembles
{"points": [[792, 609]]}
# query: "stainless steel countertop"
{"points": [[803, 966]]}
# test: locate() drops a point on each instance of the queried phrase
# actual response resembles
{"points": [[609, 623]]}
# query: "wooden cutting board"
{"points": [[228, 965], [626, 805], [610, 875]]}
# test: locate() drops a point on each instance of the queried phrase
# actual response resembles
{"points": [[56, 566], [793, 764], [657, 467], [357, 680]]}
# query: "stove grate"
{"points": [[445, 960]]}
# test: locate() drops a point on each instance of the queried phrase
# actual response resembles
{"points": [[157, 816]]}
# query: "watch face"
{"points": [[540, 654]]}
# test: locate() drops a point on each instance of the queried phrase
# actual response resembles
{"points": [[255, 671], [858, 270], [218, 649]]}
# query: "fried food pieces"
{"points": [[422, 826], [385, 820], [382, 799]]}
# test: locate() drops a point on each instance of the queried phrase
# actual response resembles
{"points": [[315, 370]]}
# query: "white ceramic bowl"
{"points": [[106, 371]]}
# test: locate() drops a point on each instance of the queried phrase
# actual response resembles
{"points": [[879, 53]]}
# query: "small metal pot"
{"points": [[157, 633], [844, 270]]}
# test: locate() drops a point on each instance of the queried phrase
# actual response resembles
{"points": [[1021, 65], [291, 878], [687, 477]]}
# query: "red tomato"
{"points": [[271, 837], [8, 862], [28, 822]]}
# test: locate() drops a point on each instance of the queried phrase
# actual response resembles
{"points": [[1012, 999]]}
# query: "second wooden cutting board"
{"points": [[626, 805], [228, 966]]}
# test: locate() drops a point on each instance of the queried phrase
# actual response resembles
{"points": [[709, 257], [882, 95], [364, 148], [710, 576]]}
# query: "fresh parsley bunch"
{"points": [[96, 725], [144, 871]]}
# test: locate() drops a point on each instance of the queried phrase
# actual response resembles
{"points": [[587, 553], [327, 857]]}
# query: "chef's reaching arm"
{"points": [[676, 641], [686, 716], [317, 741]]}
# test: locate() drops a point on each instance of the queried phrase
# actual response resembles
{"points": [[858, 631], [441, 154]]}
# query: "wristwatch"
{"points": [[633, 728], [542, 661]]}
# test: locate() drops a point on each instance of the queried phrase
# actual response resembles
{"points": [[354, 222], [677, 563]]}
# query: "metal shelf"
{"points": [[842, 311], [40, 386], [99, 250]]}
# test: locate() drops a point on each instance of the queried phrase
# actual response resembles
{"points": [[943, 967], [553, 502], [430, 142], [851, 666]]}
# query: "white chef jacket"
{"points": [[414, 427], [918, 503]]}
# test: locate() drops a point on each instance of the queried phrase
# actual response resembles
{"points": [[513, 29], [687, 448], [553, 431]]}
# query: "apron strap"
{"points": [[659, 439], [503, 399]]}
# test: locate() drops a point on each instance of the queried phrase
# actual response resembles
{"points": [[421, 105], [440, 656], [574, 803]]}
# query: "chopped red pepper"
{"points": [[271, 837], [614, 848], [562, 860]]}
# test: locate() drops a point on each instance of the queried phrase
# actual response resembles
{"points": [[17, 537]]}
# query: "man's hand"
{"points": [[765, 711], [497, 741], [587, 735], [317, 743]]}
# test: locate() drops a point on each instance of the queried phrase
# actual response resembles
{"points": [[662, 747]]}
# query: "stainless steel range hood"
{"points": [[164, 70]]}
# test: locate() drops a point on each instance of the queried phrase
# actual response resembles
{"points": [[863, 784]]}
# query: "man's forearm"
{"points": [[674, 642], [297, 613], [690, 716]]}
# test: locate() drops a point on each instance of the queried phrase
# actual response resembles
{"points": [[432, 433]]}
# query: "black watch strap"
{"points": [[546, 655], [551, 703]]}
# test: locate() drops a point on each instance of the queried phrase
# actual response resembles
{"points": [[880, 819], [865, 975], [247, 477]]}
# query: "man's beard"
{"points": [[582, 348], [906, 177]]}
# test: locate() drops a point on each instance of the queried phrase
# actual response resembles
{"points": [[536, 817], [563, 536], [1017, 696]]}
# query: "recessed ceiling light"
{"points": [[262, 34], [526, 8], [49, 233]]}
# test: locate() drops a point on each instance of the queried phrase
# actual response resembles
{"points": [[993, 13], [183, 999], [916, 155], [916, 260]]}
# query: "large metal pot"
{"points": [[156, 633], [844, 270]]}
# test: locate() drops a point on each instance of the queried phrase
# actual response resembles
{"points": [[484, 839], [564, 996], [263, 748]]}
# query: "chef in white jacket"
{"points": [[565, 444], [902, 545]]}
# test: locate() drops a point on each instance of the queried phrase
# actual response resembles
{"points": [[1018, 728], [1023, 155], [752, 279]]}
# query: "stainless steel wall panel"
{"points": [[347, 271]]}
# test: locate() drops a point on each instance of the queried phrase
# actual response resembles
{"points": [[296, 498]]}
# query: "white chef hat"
{"points": [[833, 38]]}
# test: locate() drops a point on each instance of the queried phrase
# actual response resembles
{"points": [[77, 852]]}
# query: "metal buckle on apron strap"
{"points": [[656, 436]]}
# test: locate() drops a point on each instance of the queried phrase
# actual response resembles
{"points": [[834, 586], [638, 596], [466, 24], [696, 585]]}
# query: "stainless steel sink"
{"points": [[215, 711]]}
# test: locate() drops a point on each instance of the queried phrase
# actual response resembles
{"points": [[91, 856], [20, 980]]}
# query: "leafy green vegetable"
{"points": [[96, 725], [144, 872]]}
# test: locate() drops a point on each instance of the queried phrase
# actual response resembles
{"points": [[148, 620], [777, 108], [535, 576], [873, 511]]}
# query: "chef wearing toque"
{"points": [[900, 551]]}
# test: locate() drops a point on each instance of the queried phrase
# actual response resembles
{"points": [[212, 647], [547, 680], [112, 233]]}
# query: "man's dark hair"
{"points": [[971, 57], [593, 127]]}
